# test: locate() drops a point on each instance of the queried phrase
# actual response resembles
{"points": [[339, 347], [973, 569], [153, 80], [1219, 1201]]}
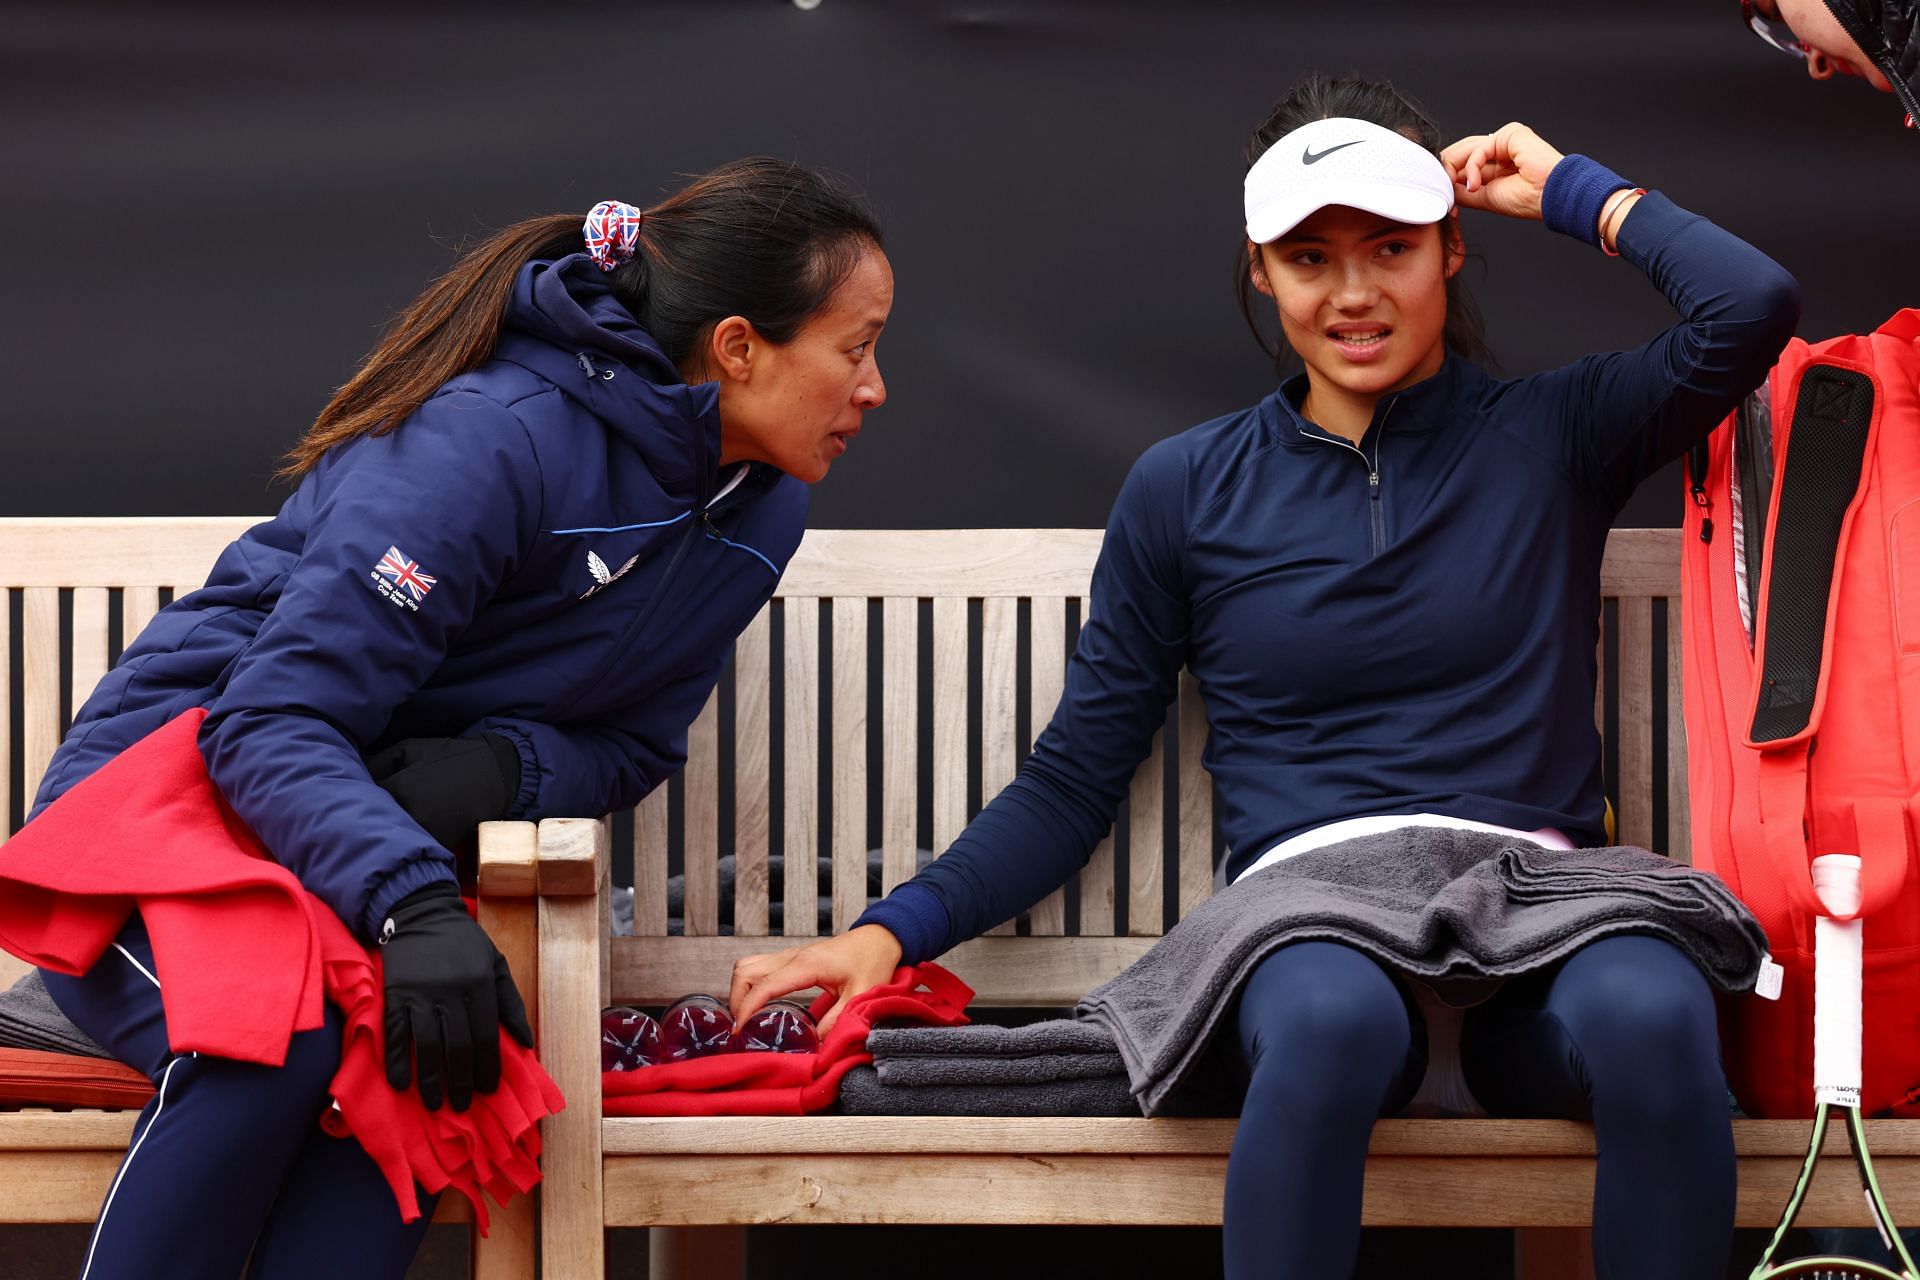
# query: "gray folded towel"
{"points": [[863, 1093], [1037, 1068], [1464, 910], [29, 1019], [982, 1040]]}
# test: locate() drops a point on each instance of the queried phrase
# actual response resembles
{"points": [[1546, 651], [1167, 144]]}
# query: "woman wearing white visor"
{"points": [[1385, 576]]}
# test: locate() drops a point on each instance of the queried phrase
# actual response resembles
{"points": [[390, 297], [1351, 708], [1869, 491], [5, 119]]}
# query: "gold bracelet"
{"points": [[1611, 211]]}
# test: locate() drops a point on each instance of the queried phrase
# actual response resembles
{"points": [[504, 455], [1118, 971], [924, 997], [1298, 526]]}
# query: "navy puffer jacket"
{"points": [[532, 553]]}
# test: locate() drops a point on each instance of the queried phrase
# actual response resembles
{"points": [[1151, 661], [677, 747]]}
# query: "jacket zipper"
{"points": [[695, 529], [687, 539], [1376, 515], [699, 528]]}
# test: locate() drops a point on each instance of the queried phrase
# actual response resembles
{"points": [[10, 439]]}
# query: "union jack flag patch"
{"points": [[400, 580]]}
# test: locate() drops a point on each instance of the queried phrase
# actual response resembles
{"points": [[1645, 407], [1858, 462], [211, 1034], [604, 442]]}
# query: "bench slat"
{"points": [[6, 718], [942, 562], [90, 644], [1679, 809], [801, 757], [1047, 677], [137, 607], [701, 822], [1097, 886], [92, 551], [1147, 842], [999, 703], [849, 760], [1196, 800], [900, 741], [40, 674], [1134, 1189], [752, 778], [1636, 722], [939, 1135], [949, 720], [650, 865]]}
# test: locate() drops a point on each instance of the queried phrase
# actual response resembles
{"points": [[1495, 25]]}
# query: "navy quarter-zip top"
{"points": [[1402, 625]]}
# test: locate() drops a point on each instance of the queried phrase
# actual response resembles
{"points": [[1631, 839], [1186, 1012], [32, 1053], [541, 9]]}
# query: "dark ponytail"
{"points": [[1318, 97], [765, 239]]}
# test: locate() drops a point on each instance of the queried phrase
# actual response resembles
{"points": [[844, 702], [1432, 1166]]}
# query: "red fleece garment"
{"points": [[245, 957], [788, 1084]]}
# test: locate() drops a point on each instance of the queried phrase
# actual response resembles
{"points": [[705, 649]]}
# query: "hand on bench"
{"points": [[847, 965]]}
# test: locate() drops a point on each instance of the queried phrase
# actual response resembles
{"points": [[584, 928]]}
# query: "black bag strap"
{"points": [[1819, 480]]}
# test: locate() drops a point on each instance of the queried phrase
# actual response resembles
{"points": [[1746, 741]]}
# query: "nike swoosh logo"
{"points": [[1308, 156]]}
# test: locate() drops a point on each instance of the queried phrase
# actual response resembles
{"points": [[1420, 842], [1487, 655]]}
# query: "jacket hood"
{"points": [[563, 323], [1888, 32]]}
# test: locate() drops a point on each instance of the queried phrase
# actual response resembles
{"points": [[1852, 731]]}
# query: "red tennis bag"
{"points": [[1800, 584]]}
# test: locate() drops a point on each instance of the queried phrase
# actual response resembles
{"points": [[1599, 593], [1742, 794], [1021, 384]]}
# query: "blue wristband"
{"points": [[1576, 191]]}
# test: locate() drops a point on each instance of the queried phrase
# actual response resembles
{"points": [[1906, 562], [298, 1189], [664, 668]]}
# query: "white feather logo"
{"points": [[601, 575]]}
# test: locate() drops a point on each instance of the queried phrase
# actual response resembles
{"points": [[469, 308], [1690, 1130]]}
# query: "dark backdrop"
{"points": [[208, 213]]}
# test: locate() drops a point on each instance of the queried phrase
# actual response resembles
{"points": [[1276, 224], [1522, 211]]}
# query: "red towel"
{"points": [[788, 1084], [245, 957]]}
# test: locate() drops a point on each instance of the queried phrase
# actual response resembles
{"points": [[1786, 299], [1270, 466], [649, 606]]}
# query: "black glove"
{"points": [[448, 993], [450, 785]]}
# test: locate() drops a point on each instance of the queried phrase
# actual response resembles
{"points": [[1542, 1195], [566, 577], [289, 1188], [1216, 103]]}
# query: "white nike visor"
{"points": [[1350, 162]]}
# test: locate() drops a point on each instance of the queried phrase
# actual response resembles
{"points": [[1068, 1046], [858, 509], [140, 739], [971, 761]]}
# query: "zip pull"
{"points": [[1696, 477]]}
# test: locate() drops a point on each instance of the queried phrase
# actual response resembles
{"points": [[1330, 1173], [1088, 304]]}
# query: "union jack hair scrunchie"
{"points": [[611, 231]]}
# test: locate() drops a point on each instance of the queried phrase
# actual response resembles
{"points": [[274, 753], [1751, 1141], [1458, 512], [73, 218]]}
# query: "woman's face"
{"points": [[1830, 50], [799, 404], [1361, 298]]}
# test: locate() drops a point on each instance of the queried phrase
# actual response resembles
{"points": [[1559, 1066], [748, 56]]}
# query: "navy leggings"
{"points": [[1622, 1034], [228, 1158]]}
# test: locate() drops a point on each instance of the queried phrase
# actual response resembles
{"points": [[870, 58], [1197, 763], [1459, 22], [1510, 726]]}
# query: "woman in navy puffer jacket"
{"points": [[524, 538]]}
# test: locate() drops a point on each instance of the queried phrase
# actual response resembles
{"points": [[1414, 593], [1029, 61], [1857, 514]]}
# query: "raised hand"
{"points": [[1501, 172]]}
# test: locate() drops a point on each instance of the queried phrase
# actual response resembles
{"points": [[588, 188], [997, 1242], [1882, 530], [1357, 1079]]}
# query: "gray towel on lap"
{"points": [[29, 1019], [1037, 1068], [1464, 910], [862, 1093]]}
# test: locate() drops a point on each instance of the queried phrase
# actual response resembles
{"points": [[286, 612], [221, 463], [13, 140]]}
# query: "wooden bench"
{"points": [[901, 674], [77, 590], [892, 685]]}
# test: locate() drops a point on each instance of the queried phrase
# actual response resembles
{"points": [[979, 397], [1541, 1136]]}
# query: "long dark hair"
{"points": [[765, 239], [1318, 97]]}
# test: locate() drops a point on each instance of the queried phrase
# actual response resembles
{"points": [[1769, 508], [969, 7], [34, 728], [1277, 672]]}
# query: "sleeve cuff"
{"points": [[915, 915], [523, 799], [1576, 191], [413, 876]]}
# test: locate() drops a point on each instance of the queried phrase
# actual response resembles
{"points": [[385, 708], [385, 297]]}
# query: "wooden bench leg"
{"points": [[696, 1253], [571, 979], [509, 1251], [1553, 1253]]}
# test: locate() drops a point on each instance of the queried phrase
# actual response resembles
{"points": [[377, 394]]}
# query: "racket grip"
{"points": [[1836, 983]]}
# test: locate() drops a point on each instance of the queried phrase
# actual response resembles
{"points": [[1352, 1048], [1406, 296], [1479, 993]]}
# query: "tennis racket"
{"points": [[1836, 1081]]}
